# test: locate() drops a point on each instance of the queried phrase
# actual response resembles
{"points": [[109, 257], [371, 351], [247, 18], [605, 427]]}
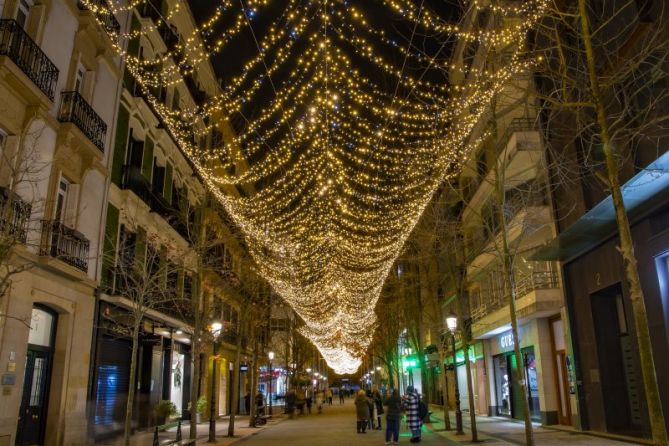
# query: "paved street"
{"points": [[336, 427]]}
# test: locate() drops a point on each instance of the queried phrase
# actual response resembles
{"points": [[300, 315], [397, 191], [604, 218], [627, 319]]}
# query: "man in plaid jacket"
{"points": [[411, 402]]}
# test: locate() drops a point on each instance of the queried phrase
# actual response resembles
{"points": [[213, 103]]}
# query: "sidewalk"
{"points": [[496, 431], [242, 430]]}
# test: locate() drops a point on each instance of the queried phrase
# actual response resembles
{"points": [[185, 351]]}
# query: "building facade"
{"points": [[506, 216], [59, 99]]}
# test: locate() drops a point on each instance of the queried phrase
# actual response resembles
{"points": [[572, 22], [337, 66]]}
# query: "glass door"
{"points": [[502, 385]]}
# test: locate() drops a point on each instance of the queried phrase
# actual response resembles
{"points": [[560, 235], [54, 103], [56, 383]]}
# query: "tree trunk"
{"points": [[194, 388], [470, 389], [235, 387], [254, 376], [657, 422], [444, 387], [127, 430], [520, 369]]}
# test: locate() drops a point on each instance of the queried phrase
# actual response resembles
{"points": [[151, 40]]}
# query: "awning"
{"points": [[644, 192]]}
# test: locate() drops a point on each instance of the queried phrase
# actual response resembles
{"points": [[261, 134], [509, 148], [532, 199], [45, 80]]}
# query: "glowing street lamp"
{"points": [[452, 325], [215, 328], [270, 355]]}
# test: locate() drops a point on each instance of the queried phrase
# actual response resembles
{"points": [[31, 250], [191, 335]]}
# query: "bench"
{"points": [[185, 442]]}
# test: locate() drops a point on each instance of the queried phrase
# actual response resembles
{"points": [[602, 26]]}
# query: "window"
{"points": [[61, 199], [79, 80], [23, 13]]}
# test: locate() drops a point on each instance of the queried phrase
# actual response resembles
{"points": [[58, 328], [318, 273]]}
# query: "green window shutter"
{"points": [[133, 50], [120, 145], [109, 246], [167, 190], [147, 162]]}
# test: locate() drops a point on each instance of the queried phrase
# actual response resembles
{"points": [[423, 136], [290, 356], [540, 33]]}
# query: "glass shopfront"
{"points": [[509, 400]]}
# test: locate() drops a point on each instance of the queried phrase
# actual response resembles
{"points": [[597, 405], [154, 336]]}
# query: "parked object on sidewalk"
{"points": [[164, 410], [200, 407]]}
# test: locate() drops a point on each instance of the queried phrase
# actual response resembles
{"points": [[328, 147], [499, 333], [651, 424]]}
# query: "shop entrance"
{"points": [[509, 401], [35, 397], [618, 367]]}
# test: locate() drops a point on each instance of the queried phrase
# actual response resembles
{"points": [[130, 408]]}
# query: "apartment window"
{"points": [[61, 199], [23, 13], [79, 80]]}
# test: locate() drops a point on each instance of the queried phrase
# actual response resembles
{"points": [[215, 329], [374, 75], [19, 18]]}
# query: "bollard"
{"points": [[179, 431], [155, 437]]}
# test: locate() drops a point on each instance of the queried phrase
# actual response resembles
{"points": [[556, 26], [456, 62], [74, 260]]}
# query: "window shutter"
{"points": [[147, 163], [120, 145], [72, 206]]}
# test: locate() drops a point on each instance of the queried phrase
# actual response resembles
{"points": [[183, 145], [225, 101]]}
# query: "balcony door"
{"points": [[37, 377]]}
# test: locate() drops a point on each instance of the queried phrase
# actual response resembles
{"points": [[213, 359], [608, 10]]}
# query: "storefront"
{"points": [[509, 400], [163, 371], [476, 366], [537, 370]]}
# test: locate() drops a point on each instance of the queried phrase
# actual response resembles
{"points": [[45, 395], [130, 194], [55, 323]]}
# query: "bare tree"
{"points": [[603, 75], [141, 276]]}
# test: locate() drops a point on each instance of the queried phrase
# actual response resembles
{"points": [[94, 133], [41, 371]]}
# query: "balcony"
{"points": [[519, 153], [14, 215], [75, 109], [17, 45], [106, 17], [65, 244], [537, 295], [134, 180]]}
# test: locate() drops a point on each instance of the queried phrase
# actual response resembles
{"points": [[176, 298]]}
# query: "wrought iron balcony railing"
{"points": [[16, 44], [65, 244], [14, 215], [75, 109], [111, 25]]}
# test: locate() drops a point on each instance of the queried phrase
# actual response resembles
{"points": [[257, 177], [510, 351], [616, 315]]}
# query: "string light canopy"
{"points": [[347, 129]]}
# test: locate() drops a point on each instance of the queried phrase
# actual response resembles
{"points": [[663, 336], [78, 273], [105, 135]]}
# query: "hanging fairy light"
{"points": [[343, 165]]}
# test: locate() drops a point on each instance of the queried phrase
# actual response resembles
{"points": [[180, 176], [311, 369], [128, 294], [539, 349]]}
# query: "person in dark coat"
{"points": [[378, 402], [362, 411], [393, 405], [372, 409], [291, 397]]}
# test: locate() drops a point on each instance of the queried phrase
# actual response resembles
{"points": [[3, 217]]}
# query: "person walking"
{"points": [[411, 406], [341, 395], [362, 411], [300, 400], [378, 402], [329, 396], [372, 409], [393, 404], [290, 403], [320, 400], [309, 399]]}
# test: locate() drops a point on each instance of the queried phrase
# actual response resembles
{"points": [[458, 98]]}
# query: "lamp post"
{"points": [[215, 329], [407, 352], [452, 324], [270, 355]]}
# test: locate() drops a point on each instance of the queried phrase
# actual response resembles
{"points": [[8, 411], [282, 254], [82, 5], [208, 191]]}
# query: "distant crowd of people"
{"points": [[305, 397], [370, 406]]}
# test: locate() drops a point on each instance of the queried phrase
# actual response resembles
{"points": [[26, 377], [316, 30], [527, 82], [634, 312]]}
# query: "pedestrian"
{"points": [[320, 400], [362, 411], [372, 409], [329, 395], [300, 400], [260, 404], [290, 403], [411, 406], [378, 402], [393, 404], [341, 396], [247, 402], [309, 399]]}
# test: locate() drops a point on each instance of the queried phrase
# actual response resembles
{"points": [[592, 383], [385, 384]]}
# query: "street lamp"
{"points": [[270, 355], [452, 324], [215, 329]]}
